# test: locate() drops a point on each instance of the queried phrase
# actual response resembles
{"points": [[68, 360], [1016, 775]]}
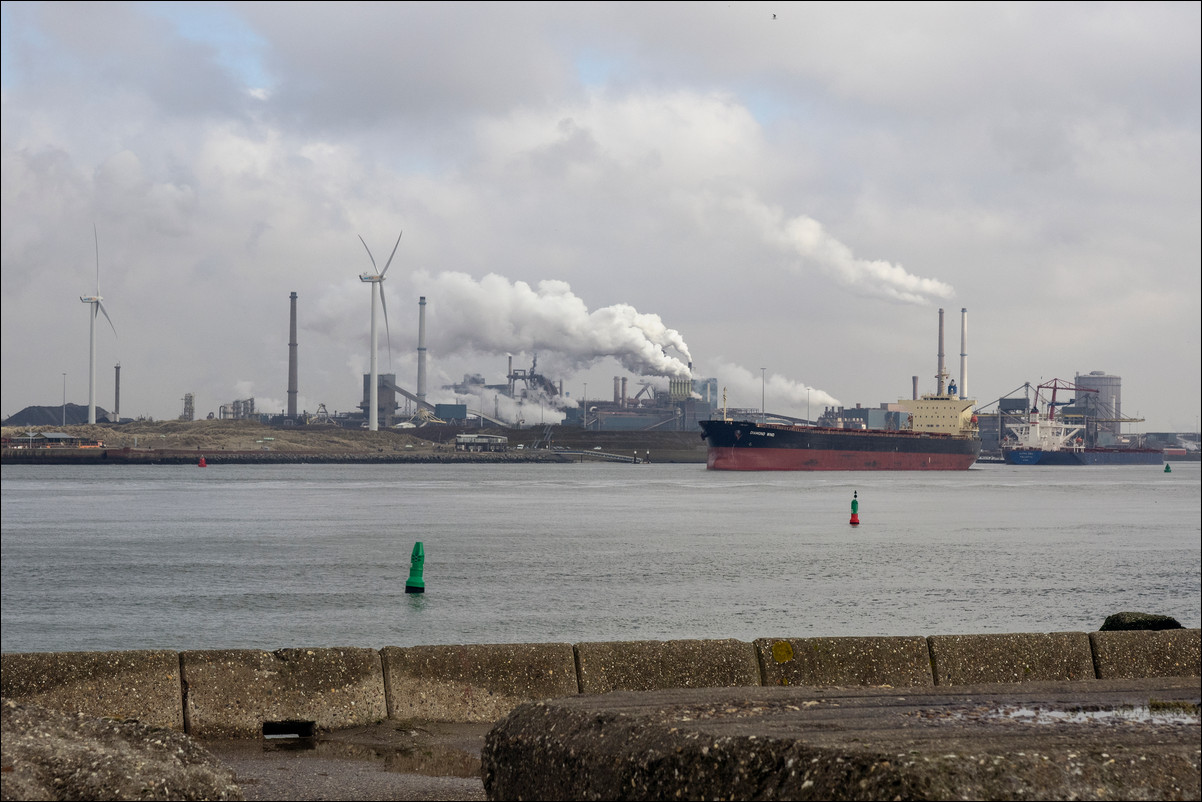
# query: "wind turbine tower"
{"points": [[376, 279], [97, 307]]}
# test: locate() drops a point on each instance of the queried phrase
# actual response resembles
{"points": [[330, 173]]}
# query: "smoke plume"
{"points": [[779, 394], [496, 316]]}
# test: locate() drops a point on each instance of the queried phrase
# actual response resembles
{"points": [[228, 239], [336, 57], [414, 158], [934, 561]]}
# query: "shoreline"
{"points": [[129, 456]]}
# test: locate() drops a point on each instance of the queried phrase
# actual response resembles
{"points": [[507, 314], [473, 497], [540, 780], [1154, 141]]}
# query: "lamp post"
{"points": [[763, 392]]}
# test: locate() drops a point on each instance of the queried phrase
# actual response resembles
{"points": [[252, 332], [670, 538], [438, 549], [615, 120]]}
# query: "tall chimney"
{"points": [[963, 353], [292, 357], [617, 390], [117, 396], [623, 391], [915, 388], [421, 349], [942, 370]]}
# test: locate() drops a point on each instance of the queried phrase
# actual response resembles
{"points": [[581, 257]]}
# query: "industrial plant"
{"points": [[635, 405], [525, 397]]}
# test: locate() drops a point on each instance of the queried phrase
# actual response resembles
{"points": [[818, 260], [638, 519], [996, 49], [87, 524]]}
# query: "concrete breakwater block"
{"points": [[474, 683], [650, 665], [1164, 653], [1018, 657], [898, 662], [1028, 741], [237, 693], [133, 685]]}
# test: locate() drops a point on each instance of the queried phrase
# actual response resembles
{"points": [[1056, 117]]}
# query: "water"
{"points": [[178, 557]]}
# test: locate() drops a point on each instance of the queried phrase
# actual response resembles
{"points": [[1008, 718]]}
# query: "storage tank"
{"points": [[1106, 405]]}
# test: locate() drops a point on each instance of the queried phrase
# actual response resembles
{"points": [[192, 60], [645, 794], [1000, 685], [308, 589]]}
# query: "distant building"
{"points": [[481, 442]]}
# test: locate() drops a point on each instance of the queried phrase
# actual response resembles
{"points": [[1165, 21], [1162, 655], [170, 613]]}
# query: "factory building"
{"points": [[386, 401]]}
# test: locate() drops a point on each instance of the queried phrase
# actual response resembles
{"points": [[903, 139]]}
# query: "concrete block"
{"points": [[901, 662], [135, 685], [655, 665], [1135, 654], [1019, 657], [481, 683], [965, 742], [233, 693]]}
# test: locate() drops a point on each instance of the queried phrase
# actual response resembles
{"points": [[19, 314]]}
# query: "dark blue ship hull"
{"points": [[1089, 456]]}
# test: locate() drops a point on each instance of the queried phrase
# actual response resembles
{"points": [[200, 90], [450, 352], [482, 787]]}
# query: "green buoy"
{"points": [[417, 562], [1167, 468]]}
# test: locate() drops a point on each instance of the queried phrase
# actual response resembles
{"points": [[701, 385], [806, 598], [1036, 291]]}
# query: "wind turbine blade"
{"points": [[96, 237], [369, 256], [394, 247], [100, 306], [387, 335]]}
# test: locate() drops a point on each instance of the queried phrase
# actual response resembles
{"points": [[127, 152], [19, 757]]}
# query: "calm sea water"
{"points": [[178, 557]]}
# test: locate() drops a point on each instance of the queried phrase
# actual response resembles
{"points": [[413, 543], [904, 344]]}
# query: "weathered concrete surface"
{"points": [[232, 693], [1020, 657], [1168, 653], [141, 685], [47, 754], [897, 662], [969, 742], [651, 665], [474, 683]]}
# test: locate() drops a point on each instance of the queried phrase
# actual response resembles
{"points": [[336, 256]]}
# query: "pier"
{"points": [[755, 698]]}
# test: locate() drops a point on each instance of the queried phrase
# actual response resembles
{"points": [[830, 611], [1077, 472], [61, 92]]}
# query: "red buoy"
{"points": [[202, 463], [855, 508]]}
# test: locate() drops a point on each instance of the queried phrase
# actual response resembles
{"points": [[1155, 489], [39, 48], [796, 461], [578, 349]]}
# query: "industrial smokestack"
{"points": [[117, 395], [623, 391], [963, 353], [617, 390], [915, 391], [292, 357], [421, 350], [942, 370]]}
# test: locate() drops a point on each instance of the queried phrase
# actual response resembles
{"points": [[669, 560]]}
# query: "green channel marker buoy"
{"points": [[1167, 469], [855, 508], [417, 562]]}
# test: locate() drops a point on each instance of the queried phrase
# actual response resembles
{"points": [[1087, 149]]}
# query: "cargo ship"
{"points": [[1046, 440], [939, 433], [942, 436]]}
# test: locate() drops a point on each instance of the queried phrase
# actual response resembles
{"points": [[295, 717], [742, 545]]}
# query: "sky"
{"points": [[782, 195]]}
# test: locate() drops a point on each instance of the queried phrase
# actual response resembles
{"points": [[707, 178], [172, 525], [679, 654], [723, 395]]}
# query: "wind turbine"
{"points": [[97, 307], [376, 279]]}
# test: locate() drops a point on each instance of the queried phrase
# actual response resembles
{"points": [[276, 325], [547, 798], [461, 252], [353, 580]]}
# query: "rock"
{"points": [[51, 755], [1129, 621]]}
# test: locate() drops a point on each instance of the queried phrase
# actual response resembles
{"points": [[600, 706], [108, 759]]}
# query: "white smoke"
{"points": [[496, 316], [778, 394], [531, 411], [876, 276], [805, 237]]}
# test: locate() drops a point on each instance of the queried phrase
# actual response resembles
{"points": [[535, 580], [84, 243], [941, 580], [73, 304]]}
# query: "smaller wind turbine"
{"points": [[97, 307], [376, 279]]}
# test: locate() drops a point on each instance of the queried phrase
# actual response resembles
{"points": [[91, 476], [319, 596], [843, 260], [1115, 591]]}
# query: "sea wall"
{"points": [[243, 693]]}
